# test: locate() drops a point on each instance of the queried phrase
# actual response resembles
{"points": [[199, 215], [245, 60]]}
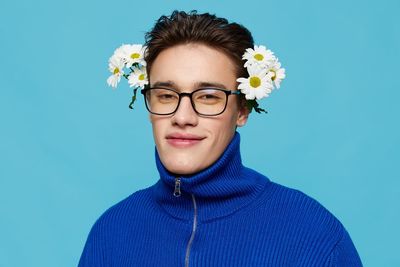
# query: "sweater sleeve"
{"points": [[344, 254], [93, 252]]}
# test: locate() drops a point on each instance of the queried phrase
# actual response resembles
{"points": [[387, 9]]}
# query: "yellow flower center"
{"points": [[116, 70], [255, 82], [135, 55], [259, 57], [273, 74], [141, 77]]}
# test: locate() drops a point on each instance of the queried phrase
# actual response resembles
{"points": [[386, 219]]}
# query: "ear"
{"points": [[243, 115]]}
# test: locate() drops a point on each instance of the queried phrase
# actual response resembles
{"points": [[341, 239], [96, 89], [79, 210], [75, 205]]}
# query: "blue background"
{"points": [[71, 147]]}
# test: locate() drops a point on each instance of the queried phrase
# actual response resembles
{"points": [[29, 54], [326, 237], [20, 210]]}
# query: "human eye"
{"points": [[165, 95], [209, 96]]}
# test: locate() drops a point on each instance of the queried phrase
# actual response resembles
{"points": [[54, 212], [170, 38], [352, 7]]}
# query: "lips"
{"points": [[183, 139]]}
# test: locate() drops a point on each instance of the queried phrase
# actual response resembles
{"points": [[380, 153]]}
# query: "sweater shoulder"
{"points": [[127, 208], [304, 211], [292, 198]]}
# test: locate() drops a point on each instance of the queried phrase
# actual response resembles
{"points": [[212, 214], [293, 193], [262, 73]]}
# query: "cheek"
{"points": [[158, 125], [230, 116], [223, 129]]}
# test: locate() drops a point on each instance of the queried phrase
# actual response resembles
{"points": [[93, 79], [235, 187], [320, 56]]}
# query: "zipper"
{"points": [[193, 233], [177, 193]]}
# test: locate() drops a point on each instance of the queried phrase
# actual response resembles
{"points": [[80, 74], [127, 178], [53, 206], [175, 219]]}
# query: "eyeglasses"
{"points": [[205, 101]]}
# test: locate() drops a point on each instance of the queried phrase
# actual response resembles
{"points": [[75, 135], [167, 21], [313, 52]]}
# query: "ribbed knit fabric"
{"points": [[226, 215]]}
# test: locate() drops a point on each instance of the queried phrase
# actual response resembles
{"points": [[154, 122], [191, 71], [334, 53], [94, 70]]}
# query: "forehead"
{"points": [[191, 66]]}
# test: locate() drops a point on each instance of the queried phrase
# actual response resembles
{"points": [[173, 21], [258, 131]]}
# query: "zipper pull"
{"points": [[177, 191]]}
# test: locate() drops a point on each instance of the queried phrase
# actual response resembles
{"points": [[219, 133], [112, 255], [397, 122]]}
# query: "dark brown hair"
{"points": [[181, 28]]}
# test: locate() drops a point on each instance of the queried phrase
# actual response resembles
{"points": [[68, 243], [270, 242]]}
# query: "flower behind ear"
{"points": [[138, 78], [258, 85], [260, 56], [277, 73], [116, 67], [265, 74], [130, 57], [133, 54]]}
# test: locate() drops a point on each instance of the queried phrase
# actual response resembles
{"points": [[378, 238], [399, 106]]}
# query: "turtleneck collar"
{"points": [[219, 190]]}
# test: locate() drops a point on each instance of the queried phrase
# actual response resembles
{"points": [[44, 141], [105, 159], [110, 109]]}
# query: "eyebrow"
{"points": [[199, 84]]}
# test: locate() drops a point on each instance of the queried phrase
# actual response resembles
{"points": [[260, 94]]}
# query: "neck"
{"points": [[220, 189]]}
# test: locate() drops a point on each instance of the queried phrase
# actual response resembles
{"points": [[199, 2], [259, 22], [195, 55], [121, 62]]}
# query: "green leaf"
{"points": [[252, 104], [259, 110]]}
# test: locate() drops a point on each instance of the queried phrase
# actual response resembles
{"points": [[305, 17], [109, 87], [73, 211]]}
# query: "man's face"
{"points": [[187, 142]]}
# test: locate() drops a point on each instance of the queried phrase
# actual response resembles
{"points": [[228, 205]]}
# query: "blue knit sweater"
{"points": [[225, 215]]}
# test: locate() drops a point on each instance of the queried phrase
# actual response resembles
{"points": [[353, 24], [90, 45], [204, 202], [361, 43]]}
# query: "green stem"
{"points": [[133, 98]]}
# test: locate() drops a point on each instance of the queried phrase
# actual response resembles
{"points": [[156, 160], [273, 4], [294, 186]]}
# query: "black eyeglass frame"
{"points": [[227, 93]]}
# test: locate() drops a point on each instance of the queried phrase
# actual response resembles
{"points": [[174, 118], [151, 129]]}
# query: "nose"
{"points": [[185, 114]]}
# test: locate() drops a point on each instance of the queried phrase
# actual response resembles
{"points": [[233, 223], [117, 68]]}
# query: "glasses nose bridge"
{"points": [[185, 94], [181, 95]]}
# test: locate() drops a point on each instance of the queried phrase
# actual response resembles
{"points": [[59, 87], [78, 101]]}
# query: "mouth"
{"points": [[183, 139]]}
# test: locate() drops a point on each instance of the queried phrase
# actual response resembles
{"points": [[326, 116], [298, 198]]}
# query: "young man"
{"points": [[207, 209]]}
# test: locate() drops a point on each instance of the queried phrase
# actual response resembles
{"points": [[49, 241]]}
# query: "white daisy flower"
{"points": [[133, 54], [258, 85], [115, 66], [138, 78], [277, 73], [120, 52], [259, 55]]}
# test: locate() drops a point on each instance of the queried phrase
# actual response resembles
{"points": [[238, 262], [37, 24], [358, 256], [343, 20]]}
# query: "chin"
{"points": [[182, 166], [182, 171]]}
